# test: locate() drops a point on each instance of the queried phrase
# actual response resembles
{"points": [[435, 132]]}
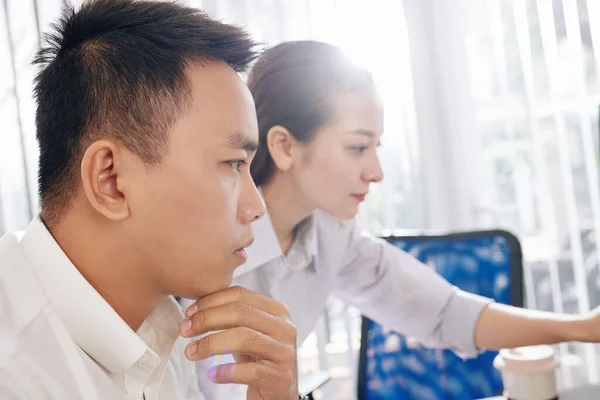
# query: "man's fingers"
{"points": [[236, 314], [252, 374], [250, 325], [242, 295], [241, 340]]}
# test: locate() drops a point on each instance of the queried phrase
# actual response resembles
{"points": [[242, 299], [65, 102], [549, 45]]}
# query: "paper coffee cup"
{"points": [[528, 373]]}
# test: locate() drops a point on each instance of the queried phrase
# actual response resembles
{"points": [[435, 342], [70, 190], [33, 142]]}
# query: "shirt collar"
{"points": [[91, 322], [266, 246], [304, 248], [264, 249]]}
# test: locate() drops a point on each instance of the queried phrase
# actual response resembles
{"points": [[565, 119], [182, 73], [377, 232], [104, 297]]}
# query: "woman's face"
{"points": [[334, 170]]}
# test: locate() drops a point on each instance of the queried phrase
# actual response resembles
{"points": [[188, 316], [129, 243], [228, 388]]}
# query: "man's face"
{"points": [[192, 212]]}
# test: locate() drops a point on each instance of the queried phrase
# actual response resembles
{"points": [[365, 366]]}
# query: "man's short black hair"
{"points": [[116, 68]]}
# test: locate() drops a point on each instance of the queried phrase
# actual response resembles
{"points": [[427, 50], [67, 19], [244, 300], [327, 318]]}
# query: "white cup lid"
{"points": [[526, 360]]}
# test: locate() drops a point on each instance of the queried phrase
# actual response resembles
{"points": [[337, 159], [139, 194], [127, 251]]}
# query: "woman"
{"points": [[320, 120]]}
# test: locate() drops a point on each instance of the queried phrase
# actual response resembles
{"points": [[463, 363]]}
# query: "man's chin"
{"points": [[215, 286], [224, 284]]}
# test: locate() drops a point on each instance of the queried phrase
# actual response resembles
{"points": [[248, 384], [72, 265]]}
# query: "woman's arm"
{"points": [[401, 293], [500, 326]]}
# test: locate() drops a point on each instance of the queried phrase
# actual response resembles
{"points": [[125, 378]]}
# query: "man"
{"points": [[145, 133]]}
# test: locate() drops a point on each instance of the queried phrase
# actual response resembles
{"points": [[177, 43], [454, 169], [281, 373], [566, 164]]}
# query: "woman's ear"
{"points": [[280, 143]]}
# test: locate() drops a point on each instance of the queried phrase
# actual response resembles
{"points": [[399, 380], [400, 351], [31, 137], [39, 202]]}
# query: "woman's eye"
{"points": [[358, 149]]}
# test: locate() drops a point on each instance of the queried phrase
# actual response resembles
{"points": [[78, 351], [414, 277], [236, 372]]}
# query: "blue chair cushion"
{"points": [[395, 367]]}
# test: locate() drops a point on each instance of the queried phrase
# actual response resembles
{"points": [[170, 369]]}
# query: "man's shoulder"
{"points": [[31, 361], [10, 254], [21, 297]]}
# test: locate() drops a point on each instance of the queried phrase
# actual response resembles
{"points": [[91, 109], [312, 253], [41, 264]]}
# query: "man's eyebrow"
{"points": [[238, 140]]}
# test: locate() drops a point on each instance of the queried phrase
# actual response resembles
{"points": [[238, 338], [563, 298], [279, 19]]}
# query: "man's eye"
{"points": [[237, 164]]}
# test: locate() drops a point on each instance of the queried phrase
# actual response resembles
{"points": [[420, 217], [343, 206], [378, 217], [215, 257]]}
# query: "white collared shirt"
{"points": [[59, 339], [385, 283]]}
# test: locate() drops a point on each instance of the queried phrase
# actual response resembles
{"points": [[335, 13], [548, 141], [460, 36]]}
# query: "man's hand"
{"points": [[257, 330]]}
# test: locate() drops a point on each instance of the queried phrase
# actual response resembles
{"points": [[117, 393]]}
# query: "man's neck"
{"points": [[108, 265], [286, 208]]}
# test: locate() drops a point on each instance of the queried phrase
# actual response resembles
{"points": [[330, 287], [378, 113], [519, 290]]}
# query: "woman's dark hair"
{"points": [[294, 85]]}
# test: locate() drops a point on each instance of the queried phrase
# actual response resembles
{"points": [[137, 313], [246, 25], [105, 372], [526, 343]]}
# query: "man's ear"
{"points": [[100, 177], [280, 143]]}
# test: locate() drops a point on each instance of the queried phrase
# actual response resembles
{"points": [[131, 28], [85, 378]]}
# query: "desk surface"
{"points": [[590, 392]]}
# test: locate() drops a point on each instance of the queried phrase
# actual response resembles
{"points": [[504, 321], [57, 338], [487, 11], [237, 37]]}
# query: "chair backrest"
{"points": [[392, 366]]}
